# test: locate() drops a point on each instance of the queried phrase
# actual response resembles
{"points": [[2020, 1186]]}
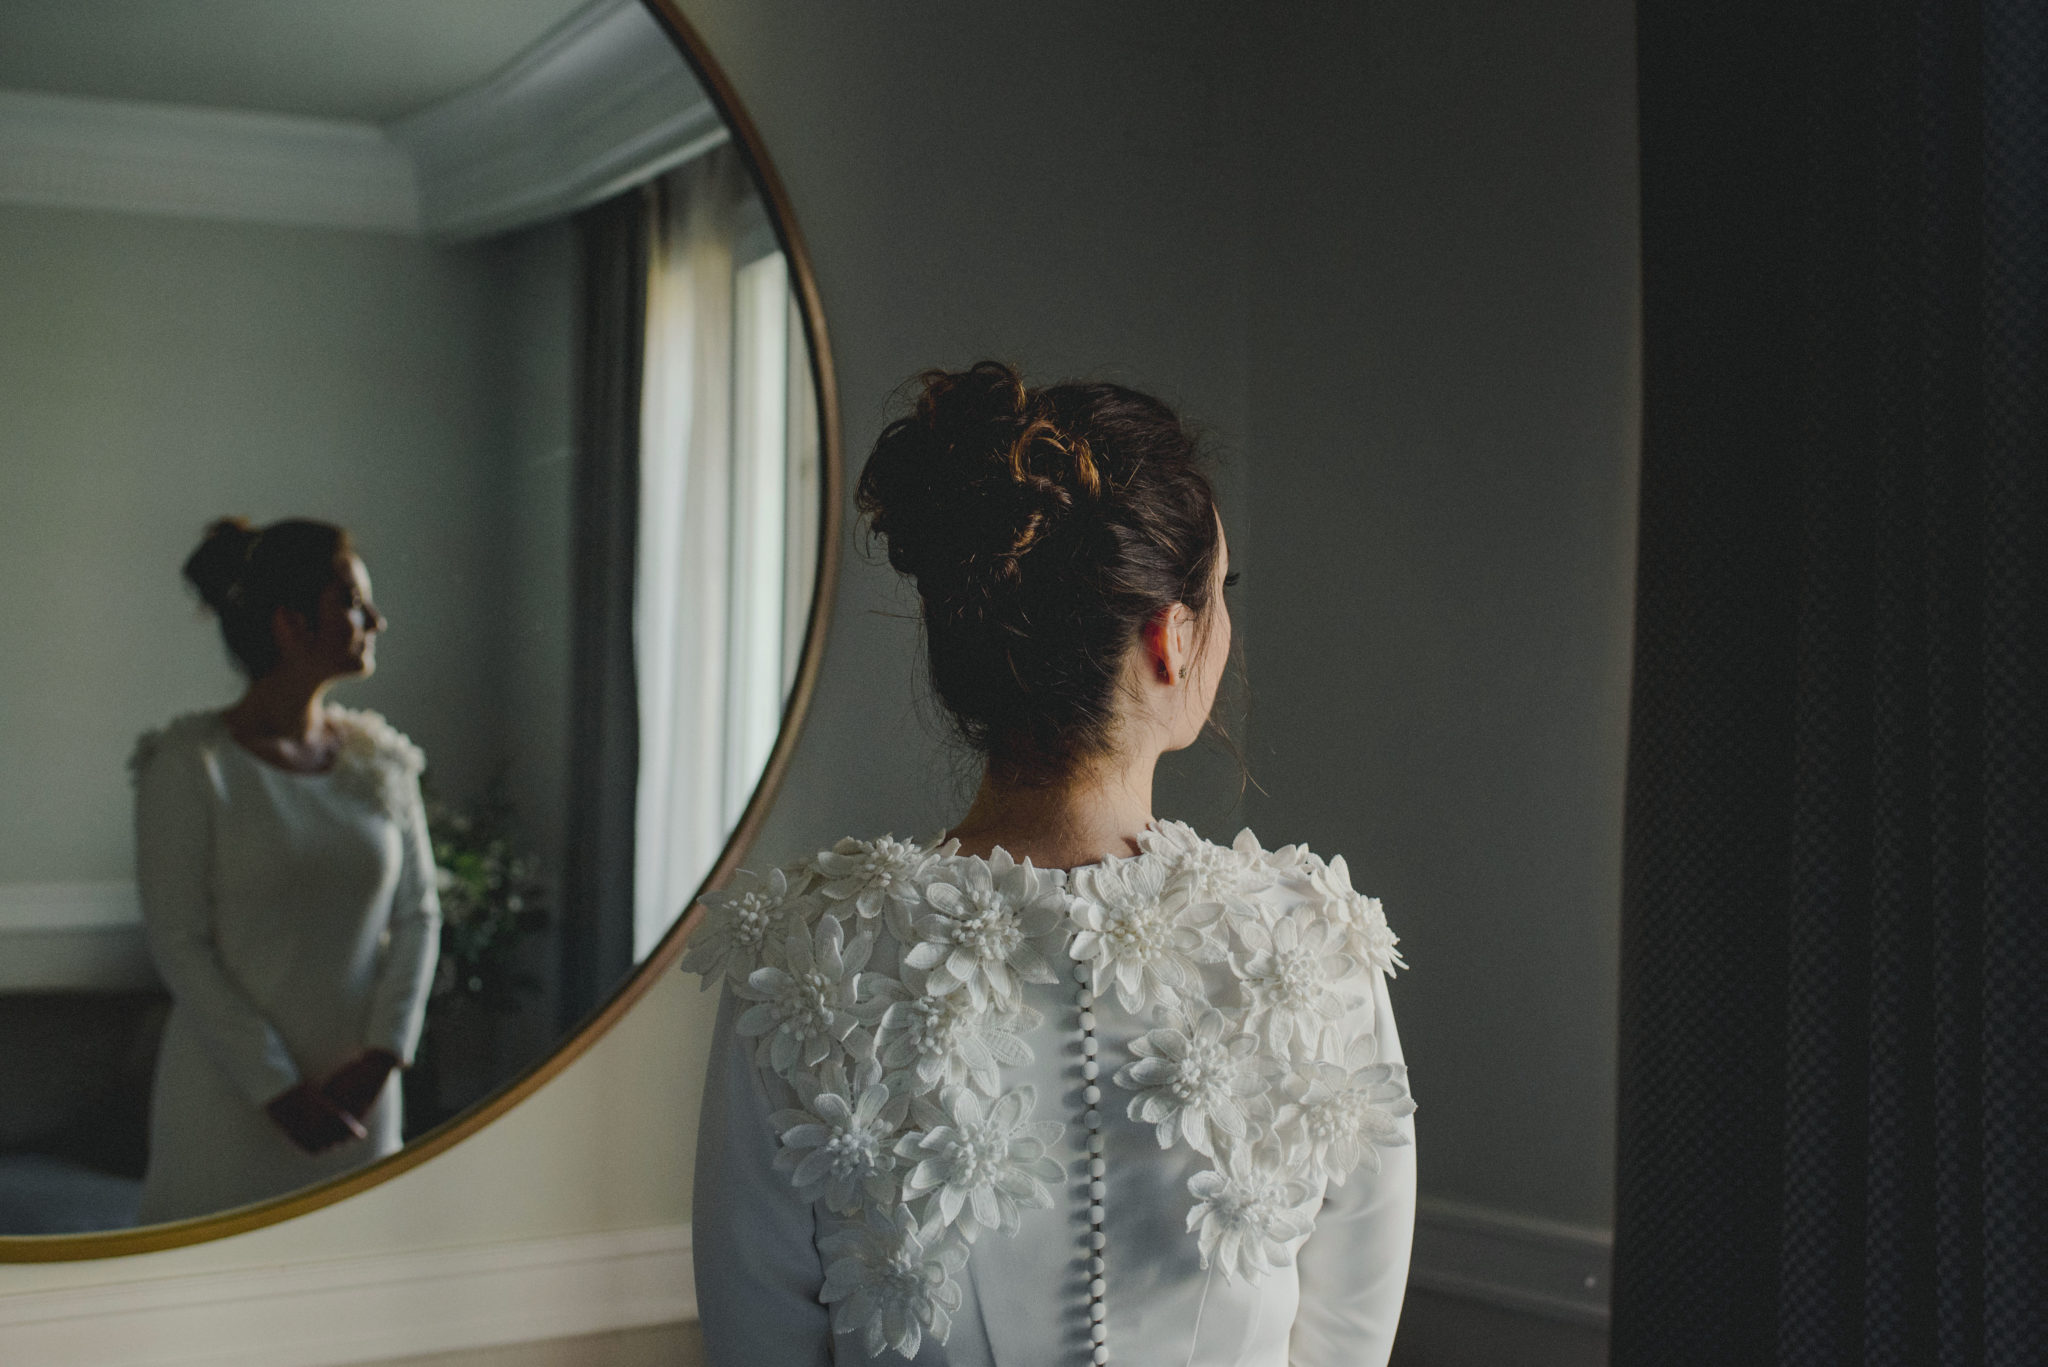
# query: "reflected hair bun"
{"points": [[245, 574], [1043, 528], [217, 567]]}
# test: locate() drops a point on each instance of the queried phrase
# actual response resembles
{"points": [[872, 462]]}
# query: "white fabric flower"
{"points": [[376, 762], [1208, 874], [986, 1162], [948, 1041], [989, 925], [802, 1011], [874, 876], [1192, 1078], [1247, 1216], [838, 1147], [1291, 978], [1339, 1115], [740, 924], [1372, 940], [886, 1280], [1137, 933]]}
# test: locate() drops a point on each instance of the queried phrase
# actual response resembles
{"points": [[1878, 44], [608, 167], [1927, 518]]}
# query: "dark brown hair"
{"points": [[245, 575], [1043, 528]]}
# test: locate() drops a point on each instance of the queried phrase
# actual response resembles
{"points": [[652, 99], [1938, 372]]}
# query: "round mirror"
{"points": [[505, 291]]}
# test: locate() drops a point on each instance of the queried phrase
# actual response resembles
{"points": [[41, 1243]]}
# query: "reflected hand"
{"points": [[312, 1122], [355, 1086]]}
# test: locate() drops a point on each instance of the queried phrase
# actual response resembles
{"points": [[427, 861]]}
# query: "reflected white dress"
{"points": [[295, 920], [963, 1111]]}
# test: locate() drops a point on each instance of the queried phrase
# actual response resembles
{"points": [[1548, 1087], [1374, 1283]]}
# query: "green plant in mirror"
{"points": [[492, 899]]}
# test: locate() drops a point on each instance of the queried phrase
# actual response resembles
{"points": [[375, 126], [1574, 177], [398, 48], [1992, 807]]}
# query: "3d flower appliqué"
{"points": [[989, 926], [1189, 1079], [740, 923], [1247, 1216], [1370, 938], [887, 1281], [377, 763], [1133, 934], [1337, 1116], [986, 1160], [1211, 875], [948, 1041], [874, 877], [802, 1011], [1293, 976], [838, 1147]]}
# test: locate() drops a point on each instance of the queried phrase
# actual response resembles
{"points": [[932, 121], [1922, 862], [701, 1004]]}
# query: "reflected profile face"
{"points": [[344, 639]]}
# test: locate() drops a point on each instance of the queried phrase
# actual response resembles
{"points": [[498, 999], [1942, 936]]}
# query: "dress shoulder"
{"points": [[376, 741], [191, 730], [377, 762], [1289, 884]]}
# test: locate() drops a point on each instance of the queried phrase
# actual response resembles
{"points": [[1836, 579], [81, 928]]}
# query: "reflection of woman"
{"points": [[1070, 1082], [287, 889]]}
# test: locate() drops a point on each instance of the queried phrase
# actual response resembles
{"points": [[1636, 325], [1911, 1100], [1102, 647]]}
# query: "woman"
{"points": [[1068, 1084], [287, 888]]}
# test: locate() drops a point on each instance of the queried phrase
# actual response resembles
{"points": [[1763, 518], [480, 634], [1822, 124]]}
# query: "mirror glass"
{"points": [[487, 284]]}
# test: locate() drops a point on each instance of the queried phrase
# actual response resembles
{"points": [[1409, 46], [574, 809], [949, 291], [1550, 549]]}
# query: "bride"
{"points": [[1068, 1084]]}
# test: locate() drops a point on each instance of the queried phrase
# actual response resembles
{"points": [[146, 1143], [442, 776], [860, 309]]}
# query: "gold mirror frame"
{"points": [[152, 1238]]}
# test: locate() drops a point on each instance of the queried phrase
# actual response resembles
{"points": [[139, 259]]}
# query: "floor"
{"points": [[1449, 1331], [1436, 1331], [664, 1345]]}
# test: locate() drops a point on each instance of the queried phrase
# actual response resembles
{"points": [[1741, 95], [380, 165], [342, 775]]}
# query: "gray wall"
{"points": [[1442, 455], [156, 373]]}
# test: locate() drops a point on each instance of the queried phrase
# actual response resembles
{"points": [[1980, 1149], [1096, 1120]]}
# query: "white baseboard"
{"points": [[1514, 1262], [344, 1311], [335, 1312]]}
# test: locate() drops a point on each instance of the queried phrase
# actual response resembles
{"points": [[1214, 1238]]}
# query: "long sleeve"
{"points": [[758, 1267], [398, 1003], [174, 801], [1354, 1267]]}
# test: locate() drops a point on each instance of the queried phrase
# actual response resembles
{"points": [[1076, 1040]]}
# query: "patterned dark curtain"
{"points": [[1834, 1051], [596, 925]]}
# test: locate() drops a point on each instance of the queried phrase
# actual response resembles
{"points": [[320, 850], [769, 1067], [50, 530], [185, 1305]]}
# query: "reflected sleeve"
{"points": [[754, 1237], [1354, 1266], [174, 803], [398, 1003]]}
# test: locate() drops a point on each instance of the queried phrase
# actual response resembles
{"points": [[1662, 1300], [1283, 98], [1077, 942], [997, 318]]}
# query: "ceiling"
{"points": [[371, 60]]}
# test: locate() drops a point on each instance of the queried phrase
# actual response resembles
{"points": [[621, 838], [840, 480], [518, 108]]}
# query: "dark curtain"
{"points": [[596, 925], [1834, 1034]]}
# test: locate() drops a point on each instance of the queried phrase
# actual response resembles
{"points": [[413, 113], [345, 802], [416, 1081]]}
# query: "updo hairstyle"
{"points": [[1044, 528], [245, 575]]}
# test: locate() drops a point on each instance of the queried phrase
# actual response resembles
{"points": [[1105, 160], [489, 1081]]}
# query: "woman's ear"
{"points": [[1169, 640]]}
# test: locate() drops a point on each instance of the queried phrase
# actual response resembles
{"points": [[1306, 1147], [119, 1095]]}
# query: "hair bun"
{"points": [[981, 472], [216, 568]]}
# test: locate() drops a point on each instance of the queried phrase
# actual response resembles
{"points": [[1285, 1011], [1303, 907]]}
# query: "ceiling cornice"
{"points": [[601, 103], [127, 156]]}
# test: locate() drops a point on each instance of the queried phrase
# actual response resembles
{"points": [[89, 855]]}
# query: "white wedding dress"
{"points": [[296, 922], [962, 1111]]}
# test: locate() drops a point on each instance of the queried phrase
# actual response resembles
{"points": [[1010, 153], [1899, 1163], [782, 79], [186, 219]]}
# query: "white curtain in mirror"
{"points": [[728, 449]]}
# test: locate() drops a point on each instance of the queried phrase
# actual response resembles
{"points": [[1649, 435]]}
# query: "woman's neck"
{"points": [[281, 708], [1083, 818]]}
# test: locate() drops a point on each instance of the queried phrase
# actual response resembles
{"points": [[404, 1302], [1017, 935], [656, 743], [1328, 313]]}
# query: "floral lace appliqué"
{"points": [[883, 984]]}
